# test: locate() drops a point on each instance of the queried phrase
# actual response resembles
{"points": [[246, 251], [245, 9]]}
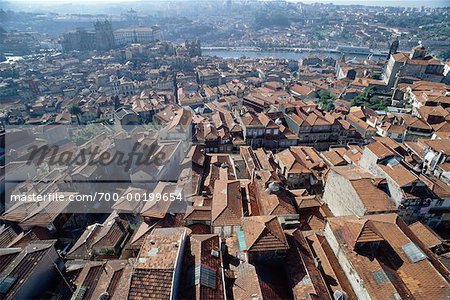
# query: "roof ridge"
{"points": [[368, 226], [266, 227]]}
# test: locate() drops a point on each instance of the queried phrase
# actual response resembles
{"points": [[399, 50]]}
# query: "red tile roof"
{"points": [[264, 233], [207, 256], [389, 268], [226, 203], [366, 187], [426, 234], [155, 266]]}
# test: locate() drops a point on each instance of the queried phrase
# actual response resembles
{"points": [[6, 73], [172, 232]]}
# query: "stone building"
{"points": [[86, 40], [350, 190], [383, 259], [79, 39], [418, 63], [104, 35], [125, 36]]}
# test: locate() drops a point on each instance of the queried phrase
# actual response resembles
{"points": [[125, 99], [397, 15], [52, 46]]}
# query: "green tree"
{"points": [[371, 98], [326, 99], [324, 95], [264, 19], [75, 110], [375, 76]]}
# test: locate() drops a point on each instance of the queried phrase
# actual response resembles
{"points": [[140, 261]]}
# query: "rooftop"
{"points": [[394, 264]]}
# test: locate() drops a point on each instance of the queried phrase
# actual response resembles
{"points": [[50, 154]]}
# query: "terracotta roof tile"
{"points": [[226, 203], [426, 234], [366, 187], [264, 233], [391, 269], [154, 268]]}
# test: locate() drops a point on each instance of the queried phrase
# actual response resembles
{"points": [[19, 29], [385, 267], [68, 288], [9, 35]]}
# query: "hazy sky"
{"points": [[416, 3], [368, 2], [71, 1]]}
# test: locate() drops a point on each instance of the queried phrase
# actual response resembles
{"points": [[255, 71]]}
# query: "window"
{"points": [[6, 283], [380, 277], [227, 230], [205, 276], [413, 252]]}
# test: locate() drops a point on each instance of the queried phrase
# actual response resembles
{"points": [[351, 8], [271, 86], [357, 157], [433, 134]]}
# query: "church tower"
{"points": [[393, 48], [104, 35]]}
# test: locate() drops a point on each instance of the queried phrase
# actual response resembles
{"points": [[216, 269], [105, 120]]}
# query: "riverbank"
{"points": [[231, 52]]}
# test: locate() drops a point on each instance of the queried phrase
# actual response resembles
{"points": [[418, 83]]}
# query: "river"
{"points": [[290, 55], [283, 55]]}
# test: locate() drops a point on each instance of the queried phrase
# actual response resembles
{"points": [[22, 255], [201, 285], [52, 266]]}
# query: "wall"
{"points": [[347, 267], [390, 71], [341, 197], [178, 266], [369, 163]]}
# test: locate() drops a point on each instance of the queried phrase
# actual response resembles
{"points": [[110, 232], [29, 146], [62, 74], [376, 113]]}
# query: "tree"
{"points": [[267, 19], [375, 76], [75, 110], [326, 99], [324, 95], [371, 98]]}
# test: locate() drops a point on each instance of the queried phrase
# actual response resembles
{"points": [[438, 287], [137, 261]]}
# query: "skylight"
{"points": [[6, 283], [393, 162], [413, 252], [205, 276], [380, 277]]}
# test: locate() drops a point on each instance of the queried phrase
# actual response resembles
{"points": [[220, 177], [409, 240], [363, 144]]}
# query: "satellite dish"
{"points": [[340, 295], [274, 187], [103, 296]]}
